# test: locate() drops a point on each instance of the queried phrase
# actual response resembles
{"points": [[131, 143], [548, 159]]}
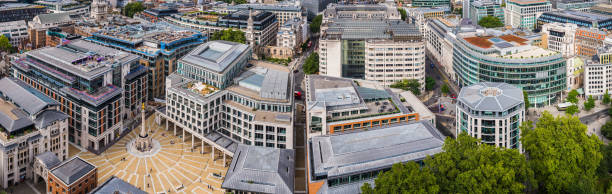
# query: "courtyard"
{"points": [[176, 168]]}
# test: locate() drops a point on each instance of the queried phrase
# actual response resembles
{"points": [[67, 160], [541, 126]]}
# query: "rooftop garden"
{"points": [[200, 88]]}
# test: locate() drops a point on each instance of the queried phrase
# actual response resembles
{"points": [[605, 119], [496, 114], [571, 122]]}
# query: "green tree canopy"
{"points": [[526, 99], [572, 97], [315, 25], [229, 35], [561, 154], [5, 45], [468, 166], [404, 178], [402, 12], [311, 65], [606, 97], [132, 8], [444, 89], [606, 130], [412, 85], [589, 104], [571, 110], [490, 22], [430, 83]]}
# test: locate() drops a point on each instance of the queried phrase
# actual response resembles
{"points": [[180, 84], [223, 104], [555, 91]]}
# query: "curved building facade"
{"points": [[491, 112], [513, 60]]}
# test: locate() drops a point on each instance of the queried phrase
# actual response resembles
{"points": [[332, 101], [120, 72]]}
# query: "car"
{"points": [[295, 71], [453, 96], [249, 65]]}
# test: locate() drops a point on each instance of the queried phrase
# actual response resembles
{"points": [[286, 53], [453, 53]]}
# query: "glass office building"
{"points": [[510, 59]]}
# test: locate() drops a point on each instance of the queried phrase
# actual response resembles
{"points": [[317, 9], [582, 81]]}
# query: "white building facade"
{"points": [[439, 43], [598, 73], [15, 31], [560, 37], [388, 61], [523, 14]]}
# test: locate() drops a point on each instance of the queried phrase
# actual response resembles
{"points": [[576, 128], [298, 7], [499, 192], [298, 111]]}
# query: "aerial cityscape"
{"points": [[305, 96]]}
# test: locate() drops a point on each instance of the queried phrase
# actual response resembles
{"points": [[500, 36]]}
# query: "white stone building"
{"points": [[491, 112], [15, 31], [389, 61], [523, 14], [598, 73], [32, 124], [559, 37], [439, 43]]}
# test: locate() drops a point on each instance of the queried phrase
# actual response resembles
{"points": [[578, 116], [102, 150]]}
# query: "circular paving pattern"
{"points": [[132, 150], [174, 166]]}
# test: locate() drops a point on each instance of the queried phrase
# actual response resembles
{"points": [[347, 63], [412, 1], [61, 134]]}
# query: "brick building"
{"points": [[73, 176]]}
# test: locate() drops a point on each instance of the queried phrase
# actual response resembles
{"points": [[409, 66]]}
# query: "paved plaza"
{"points": [[176, 168]]}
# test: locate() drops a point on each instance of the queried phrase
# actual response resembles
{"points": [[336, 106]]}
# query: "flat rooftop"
{"points": [[216, 55], [263, 83], [527, 2], [9, 6], [344, 154], [370, 29], [580, 15], [72, 170], [156, 32], [508, 46], [261, 170]]}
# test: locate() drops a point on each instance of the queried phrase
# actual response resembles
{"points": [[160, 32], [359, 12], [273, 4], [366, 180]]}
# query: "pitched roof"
{"points": [[117, 186], [216, 55], [54, 17], [26, 97], [72, 170], [261, 170], [49, 159], [491, 96]]}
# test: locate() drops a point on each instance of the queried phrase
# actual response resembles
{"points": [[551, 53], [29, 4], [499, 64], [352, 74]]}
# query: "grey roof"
{"points": [[26, 97], [266, 7], [344, 154], [269, 83], [370, 29], [72, 170], [491, 96], [47, 118], [115, 185], [222, 141], [49, 159], [54, 17], [10, 124], [261, 170], [216, 55]]}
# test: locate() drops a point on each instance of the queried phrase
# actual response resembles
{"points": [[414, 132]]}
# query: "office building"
{"points": [[75, 9], [15, 31], [260, 170], [19, 11], [576, 5], [598, 73], [159, 45], [492, 112], [285, 11], [343, 163], [484, 8], [95, 85], [439, 37], [559, 37], [587, 41], [382, 50], [31, 125], [37, 28], [523, 14], [360, 12], [421, 16], [265, 24], [500, 56], [314, 7], [73, 177], [116, 186], [289, 39], [339, 105], [431, 3], [582, 19], [575, 73], [252, 106], [156, 14], [602, 8]]}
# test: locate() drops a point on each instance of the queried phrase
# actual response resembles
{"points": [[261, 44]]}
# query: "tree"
{"points": [[589, 104], [445, 90], [412, 85], [572, 97], [571, 110], [605, 169], [561, 154], [606, 97], [404, 178], [526, 99], [315, 25], [468, 166], [490, 22], [402, 12], [229, 35], [5, 45], [430, 83], [606, 130], [311, 65], [132, 8]]}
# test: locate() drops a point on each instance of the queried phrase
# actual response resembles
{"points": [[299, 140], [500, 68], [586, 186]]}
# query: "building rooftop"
{"points": [[490, 96], [49, 159], [72, 170], [268, 7], [216, 55], [352, 153], [580, 15], [10, 6], [261, 170], [115, 185], [505, 44], [268, 83], [527, 2], [370, 29]]}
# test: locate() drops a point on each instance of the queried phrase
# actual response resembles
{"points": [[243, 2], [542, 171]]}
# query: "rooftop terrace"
{"points": [[216, 55], [512, 46]]}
